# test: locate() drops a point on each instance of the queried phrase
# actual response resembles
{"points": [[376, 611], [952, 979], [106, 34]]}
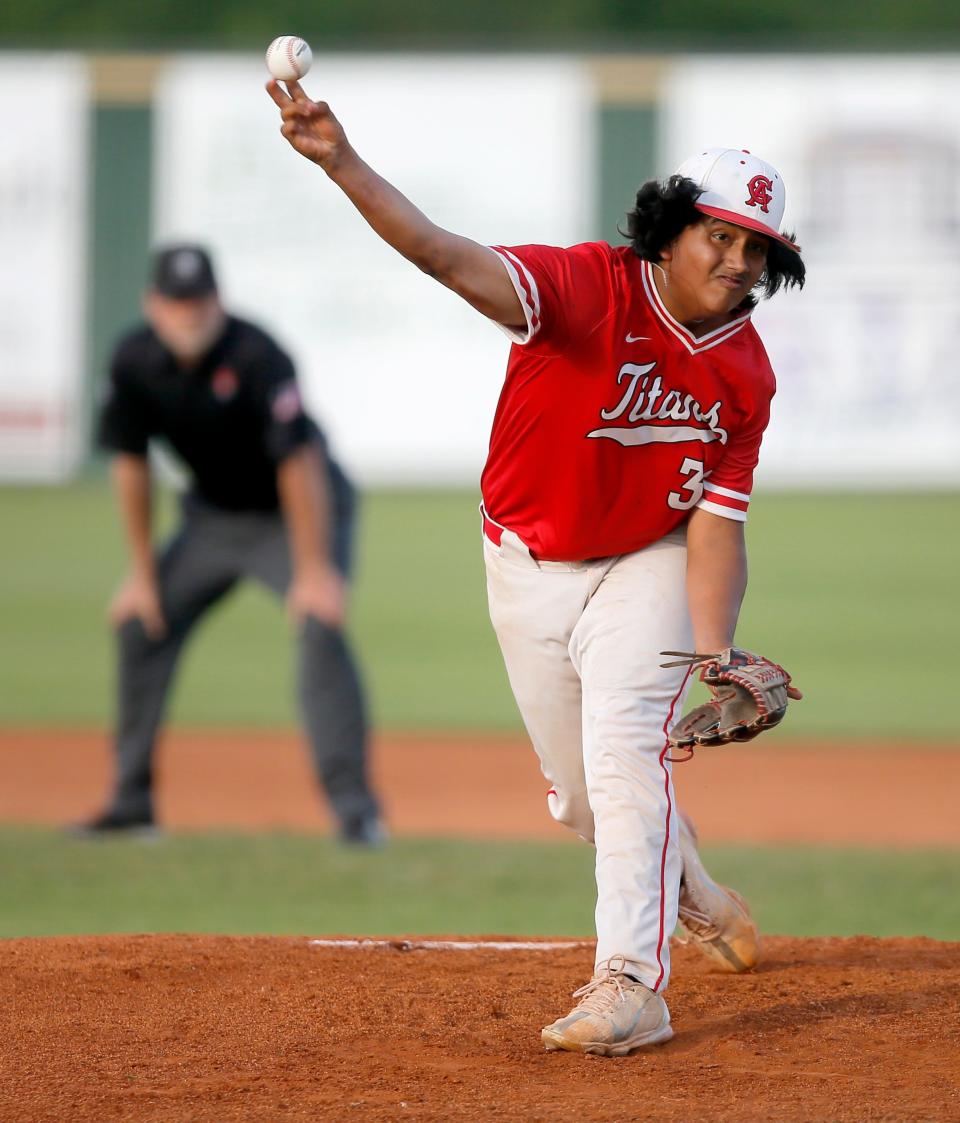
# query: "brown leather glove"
{"points": [[749, 695]]}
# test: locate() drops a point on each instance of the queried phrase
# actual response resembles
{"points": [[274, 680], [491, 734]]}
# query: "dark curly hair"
{"points": [[664, 210]]}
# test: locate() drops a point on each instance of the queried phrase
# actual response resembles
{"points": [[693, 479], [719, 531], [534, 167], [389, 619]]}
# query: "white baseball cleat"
{"points": [[614, 1015], [715, 918]]}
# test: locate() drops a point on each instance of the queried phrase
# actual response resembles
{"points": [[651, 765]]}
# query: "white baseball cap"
{"points": [[741, 188]]}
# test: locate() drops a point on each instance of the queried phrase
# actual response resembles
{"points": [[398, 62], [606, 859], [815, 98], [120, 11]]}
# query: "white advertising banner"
{"points": [[869, 149], [43, 235], [401, 373]]}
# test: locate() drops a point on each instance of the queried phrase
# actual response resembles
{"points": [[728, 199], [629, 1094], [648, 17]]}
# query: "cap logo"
{"points": [[186, 265], [761, 193]]}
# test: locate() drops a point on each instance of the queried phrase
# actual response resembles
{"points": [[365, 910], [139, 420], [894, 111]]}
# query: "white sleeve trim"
{"points": [[717, 489], [529, 298], [725, 512]]}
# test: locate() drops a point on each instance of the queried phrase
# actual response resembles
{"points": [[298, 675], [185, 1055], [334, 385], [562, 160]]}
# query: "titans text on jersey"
{"points": [[615, 420]]}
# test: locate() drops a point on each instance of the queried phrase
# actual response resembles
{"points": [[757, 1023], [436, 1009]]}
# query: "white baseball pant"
{"points": [[581, 643]]}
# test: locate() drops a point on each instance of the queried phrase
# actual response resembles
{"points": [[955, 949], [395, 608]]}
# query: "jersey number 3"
{"points": [[693, 470]]}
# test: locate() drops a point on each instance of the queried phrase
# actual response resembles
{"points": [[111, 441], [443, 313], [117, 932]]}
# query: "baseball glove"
{"points": [[749, 695]]}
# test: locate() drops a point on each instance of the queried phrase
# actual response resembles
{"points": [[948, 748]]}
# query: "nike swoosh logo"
{"points": [[634, 338]]}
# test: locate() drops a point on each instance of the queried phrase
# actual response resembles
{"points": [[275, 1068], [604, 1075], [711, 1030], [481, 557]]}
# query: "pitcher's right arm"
{"points": [[470, 270]]}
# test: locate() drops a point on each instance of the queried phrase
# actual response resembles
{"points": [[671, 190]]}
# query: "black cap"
{"points": [[183, 272]]}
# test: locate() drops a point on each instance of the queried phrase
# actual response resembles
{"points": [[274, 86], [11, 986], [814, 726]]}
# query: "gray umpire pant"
{"points": [[213, 550]]}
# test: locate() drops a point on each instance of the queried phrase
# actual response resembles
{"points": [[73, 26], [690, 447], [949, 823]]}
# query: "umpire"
{"points": [[267, 502]]}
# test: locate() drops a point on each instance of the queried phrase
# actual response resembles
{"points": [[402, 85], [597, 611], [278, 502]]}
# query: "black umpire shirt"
{"points": [[231, 418]]}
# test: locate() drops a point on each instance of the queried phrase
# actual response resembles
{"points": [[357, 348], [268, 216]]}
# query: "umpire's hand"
{"points": [[138, 597], [318, 591]]}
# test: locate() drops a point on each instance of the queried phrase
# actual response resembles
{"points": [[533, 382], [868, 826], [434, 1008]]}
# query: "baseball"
{"points": [[289, 57]]}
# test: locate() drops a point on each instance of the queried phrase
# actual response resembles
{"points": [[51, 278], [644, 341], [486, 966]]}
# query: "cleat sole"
{"points": [[556, 1042]]}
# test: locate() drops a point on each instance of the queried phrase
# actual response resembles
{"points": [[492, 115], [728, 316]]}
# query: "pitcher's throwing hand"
{"points": [[309, 126]]}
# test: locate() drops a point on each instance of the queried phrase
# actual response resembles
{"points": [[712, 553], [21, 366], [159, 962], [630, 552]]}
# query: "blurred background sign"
{"points": [[868, 391], [403, 373], [504, 148], [43, 235]]}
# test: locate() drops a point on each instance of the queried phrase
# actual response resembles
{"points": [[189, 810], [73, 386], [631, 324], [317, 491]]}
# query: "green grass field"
{"points": [[854, 593], [287, 884]]}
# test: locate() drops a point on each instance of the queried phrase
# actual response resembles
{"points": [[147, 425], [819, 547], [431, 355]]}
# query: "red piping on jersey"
{"points": [[666, 839], [734, 501], [693, 343], [526, 287], [725, 493]]}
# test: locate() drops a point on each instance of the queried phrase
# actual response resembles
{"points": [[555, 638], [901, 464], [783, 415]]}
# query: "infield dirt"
{"points": [[457, 785], [204, 1029], [191, 1028]]}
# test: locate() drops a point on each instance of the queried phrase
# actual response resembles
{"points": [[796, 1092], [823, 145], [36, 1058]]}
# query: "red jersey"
{"points": [[615, 420]]}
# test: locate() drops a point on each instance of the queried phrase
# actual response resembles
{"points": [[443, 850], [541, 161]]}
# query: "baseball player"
{"points": [[614, 499], [267, 502]]}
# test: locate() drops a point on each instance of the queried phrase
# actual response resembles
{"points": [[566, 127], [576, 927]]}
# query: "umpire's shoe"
{"points": [[614, 1015], [715, 918], [116, 824], [363, 831]]}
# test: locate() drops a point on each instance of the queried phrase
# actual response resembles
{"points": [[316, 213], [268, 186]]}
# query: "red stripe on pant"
{"points": [[666, 838]]}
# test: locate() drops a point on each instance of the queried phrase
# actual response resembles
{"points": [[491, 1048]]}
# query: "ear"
{"points": [[666, 254]]}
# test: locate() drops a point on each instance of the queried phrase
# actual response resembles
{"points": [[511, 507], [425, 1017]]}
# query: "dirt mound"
{"points": [[204, 1028]]}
